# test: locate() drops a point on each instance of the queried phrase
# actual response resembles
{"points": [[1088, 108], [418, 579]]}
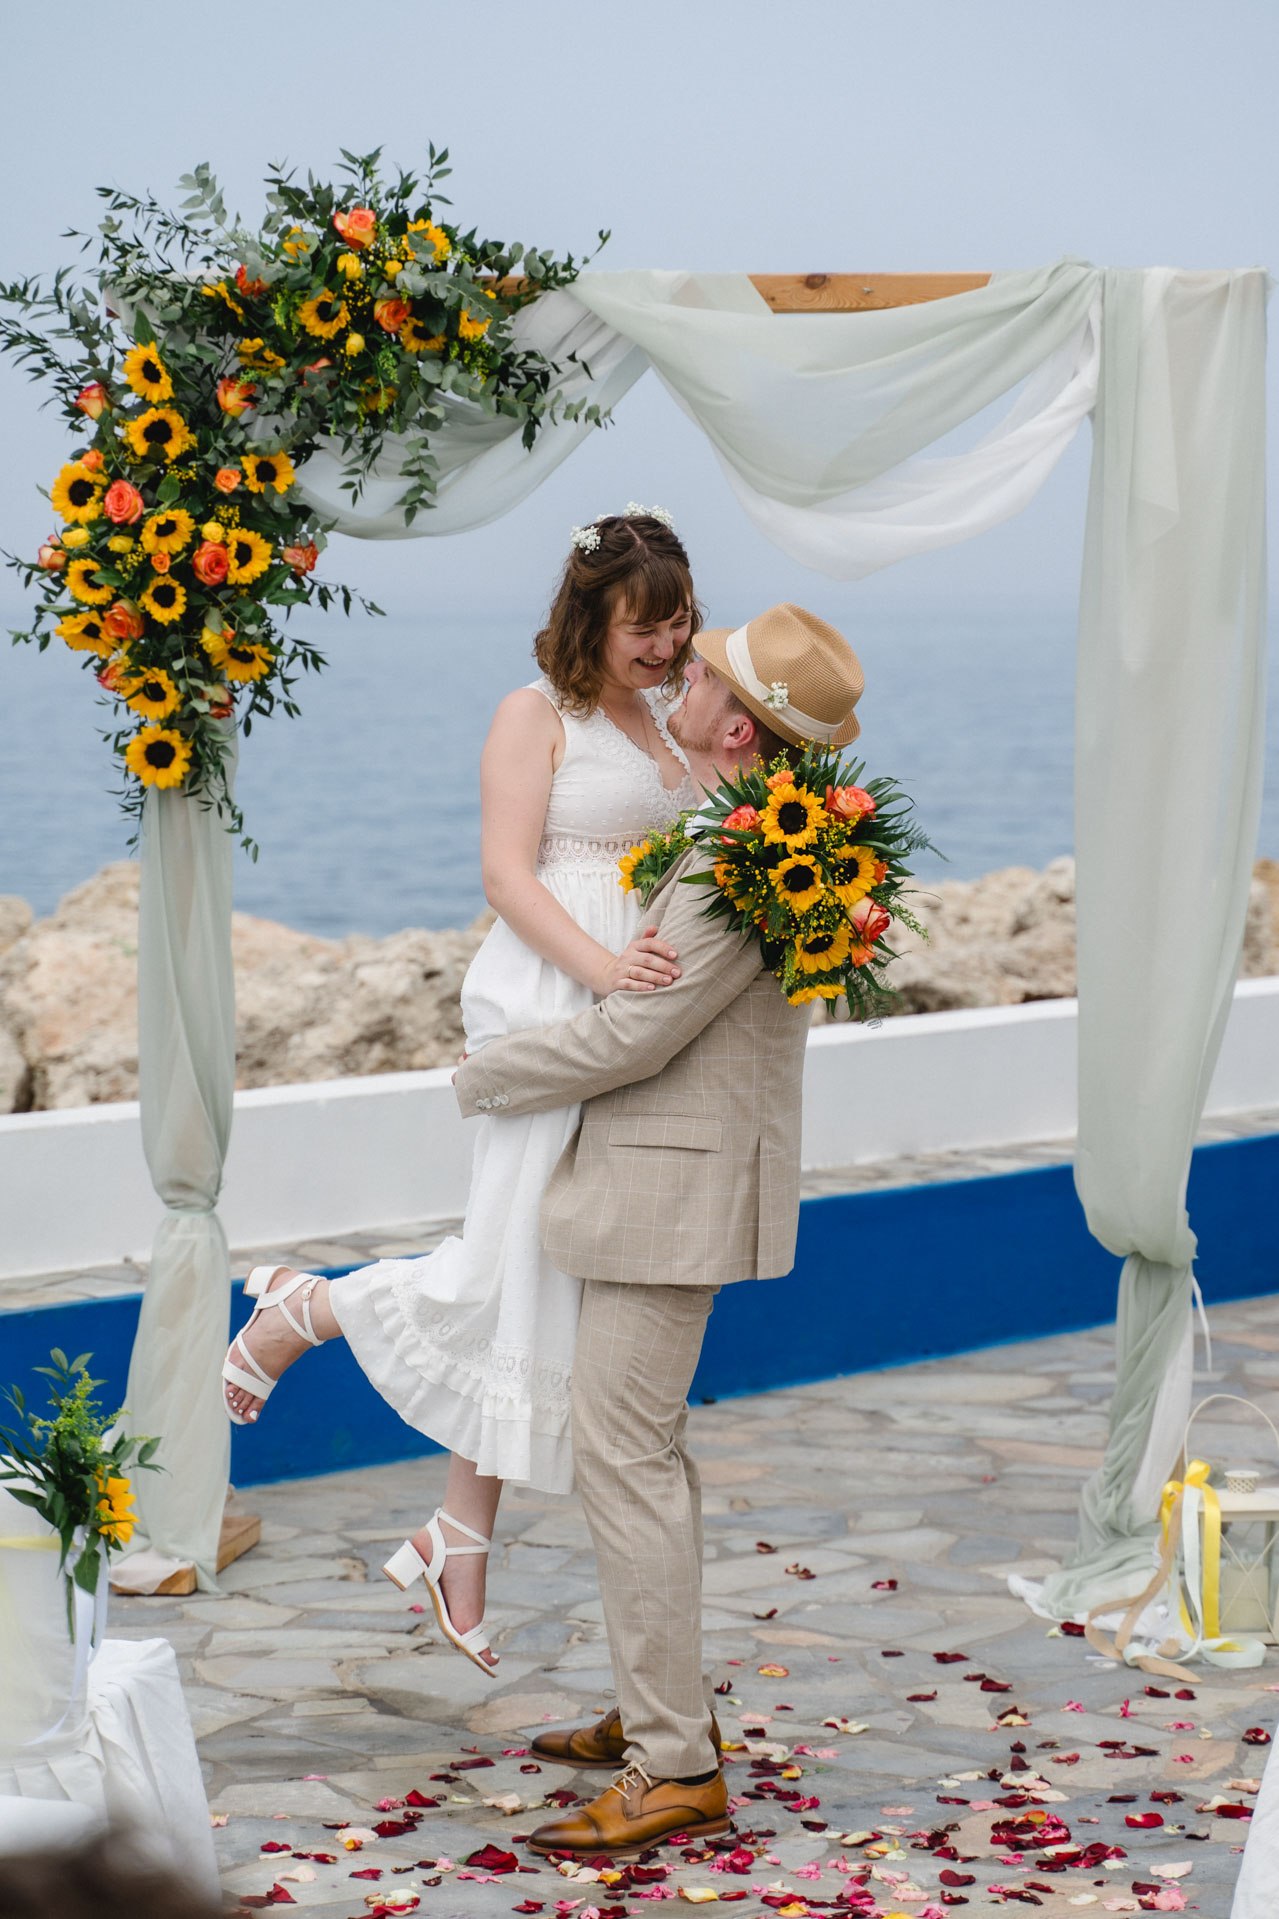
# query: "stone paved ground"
{"points": [[322, 1696]]}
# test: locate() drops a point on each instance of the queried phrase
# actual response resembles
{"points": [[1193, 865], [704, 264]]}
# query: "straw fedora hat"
{"points": [[795, 673]]}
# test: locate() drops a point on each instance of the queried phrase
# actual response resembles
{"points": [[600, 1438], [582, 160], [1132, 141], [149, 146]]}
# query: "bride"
{"points": [[473, 1344]]}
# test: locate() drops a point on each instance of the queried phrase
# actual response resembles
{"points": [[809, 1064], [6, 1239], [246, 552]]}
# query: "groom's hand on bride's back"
{"points": [[646, 963]]}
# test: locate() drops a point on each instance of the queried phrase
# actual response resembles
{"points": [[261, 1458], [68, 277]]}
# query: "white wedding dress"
{"points": [[473, 1344]]}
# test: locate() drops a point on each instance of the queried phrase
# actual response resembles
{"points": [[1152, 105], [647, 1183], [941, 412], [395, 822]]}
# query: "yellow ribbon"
{"points": [[32, 1543], [1197, 1475]]}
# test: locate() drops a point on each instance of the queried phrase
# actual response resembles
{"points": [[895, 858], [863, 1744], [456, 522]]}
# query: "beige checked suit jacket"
{"points": [[685, 1168]]}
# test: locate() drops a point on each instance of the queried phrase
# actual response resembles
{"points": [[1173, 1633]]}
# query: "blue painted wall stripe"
{"points": [[881, 1279]]}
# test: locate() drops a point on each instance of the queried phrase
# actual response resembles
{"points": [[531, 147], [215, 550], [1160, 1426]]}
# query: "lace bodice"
{"points": [[607, 792]]}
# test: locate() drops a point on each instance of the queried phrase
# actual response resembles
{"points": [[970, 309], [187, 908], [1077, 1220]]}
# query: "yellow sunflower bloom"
{"points": [[853, 872], [84, 633], [223, 292], [168, 532], [116, 1515], [628, 863], [414, 339], [469, 328], [152, 693], [248, 556], [257, 356], [262, 470], [165, 600], [159, 433], [77, 493], [823, 952], [79, 574], [325, 315], [435, 237], [831, 989], [158, 756], [792, 817], [798, 881], [147, 374], [297, 243], [242, 660]]}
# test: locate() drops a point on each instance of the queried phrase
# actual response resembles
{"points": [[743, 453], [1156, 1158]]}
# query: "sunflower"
{"points": [[85, 633], [792, 817], [469, 328], [414, 338], [262, 470], [159, 433], [798, 881], [853, 872], [158, 756], [822, 952], [436, 237], [116, 1516], [164, 600], [257, 355], [828, 989], [628, 863], [77, 493], [221, 291], [168, 531], [248, 556], [147, 375], [241, 660], [152, 693], [79, 573], [325, 315]]}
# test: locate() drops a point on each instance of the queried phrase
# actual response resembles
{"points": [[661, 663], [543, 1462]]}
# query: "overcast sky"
{"points": [[720, 134]]}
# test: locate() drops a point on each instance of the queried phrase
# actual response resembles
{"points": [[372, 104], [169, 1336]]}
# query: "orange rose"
{"points": [[51, 557], [316, 366], [210, 563], [782, 778], [301, 558], [357, 226], [223, 707], [122, 503], [235, 396], [870, 920], [850, 803], [112, 674], [390, 314], [93, 399], [227, 478], [91, 461], [123, 621], [161, 562], [249, 288], [743, 817]]}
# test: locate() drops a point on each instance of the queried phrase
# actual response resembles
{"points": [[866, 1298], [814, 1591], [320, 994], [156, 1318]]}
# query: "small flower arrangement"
{"points": [[72, 1469], [206, 362], [811, 862]]}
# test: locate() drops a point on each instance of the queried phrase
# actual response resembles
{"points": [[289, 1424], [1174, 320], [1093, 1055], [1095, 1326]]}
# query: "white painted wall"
{"points": [[352, 1154]]}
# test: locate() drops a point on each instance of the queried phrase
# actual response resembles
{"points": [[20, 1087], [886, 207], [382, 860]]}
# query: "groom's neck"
{"points": [[708, 769]]}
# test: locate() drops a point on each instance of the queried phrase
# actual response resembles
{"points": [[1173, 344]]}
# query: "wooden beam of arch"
{"points": [[840, 292]]}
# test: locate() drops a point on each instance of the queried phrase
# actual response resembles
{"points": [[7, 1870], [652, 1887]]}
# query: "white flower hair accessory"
{"points": [[778, 696], [634, 511], [585, 538]]}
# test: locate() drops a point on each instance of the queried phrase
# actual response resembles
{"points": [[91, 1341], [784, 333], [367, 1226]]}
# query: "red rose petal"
{"points": [[1256, 1736]]}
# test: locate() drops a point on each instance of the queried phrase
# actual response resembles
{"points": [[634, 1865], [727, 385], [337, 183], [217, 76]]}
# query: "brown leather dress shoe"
{"points": [[603, 1744], [636, 1811]]}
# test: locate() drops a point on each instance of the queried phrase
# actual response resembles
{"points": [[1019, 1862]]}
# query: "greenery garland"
{"points": [[355, 312]]}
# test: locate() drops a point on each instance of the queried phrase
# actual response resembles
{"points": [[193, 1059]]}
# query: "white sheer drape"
{"points": [[820, 422]]}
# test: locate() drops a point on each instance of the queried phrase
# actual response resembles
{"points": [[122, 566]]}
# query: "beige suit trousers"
{"points": [[637, 1350]]}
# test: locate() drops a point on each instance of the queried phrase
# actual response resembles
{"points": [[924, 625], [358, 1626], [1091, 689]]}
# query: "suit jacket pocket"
{"points": [[701, 1133]]}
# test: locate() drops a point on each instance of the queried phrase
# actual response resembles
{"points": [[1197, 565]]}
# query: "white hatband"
{"points": [[775, 697]]}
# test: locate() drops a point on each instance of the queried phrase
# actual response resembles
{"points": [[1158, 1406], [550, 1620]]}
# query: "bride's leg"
{"points": [[473, 1498], [275, 1345]]}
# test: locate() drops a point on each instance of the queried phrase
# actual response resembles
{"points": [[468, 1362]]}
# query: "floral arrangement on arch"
{"points": [[203, 363], [808, 862], [73, 1470]]}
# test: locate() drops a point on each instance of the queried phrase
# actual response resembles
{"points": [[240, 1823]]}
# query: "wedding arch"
{"points": [[820, 395]]}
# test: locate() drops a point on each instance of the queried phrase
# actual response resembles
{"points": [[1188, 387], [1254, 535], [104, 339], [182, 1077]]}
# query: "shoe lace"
{"points": [[630, 1776]]}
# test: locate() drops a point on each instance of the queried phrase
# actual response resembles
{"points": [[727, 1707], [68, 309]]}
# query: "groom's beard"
{"points": [[703, 745]]}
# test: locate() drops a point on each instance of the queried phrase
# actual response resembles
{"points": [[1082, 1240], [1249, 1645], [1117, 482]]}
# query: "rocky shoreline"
{"points": [[312, 1009]]}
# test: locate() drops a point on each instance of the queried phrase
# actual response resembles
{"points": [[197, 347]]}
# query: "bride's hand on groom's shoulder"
{"points": [[645, 964]]}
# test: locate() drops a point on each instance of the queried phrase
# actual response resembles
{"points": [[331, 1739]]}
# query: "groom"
{"points": [[683, 1177]]}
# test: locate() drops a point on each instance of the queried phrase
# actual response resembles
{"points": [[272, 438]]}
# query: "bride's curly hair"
{"points": [[638, 565]]}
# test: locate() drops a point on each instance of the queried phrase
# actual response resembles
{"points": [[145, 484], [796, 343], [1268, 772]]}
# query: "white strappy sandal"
{"points": [[406, 1565], [259, 1382]]}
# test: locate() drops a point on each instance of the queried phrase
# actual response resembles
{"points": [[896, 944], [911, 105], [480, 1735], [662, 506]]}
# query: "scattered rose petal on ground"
{"points": [[1256, 1736]]}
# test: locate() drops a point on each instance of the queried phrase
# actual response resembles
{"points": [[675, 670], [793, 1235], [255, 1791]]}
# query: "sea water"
{"points": [[366, 809]]}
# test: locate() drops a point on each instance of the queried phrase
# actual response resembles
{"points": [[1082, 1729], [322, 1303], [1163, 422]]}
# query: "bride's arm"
{"points": [[525, 743]]}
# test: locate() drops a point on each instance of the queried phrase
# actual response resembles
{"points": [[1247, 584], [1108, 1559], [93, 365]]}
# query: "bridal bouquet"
{"points": [[73, 1470], [203, 362], [810, 862]]}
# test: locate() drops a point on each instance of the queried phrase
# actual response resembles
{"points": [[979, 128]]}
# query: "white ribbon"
{"points": [[737, 649]]}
